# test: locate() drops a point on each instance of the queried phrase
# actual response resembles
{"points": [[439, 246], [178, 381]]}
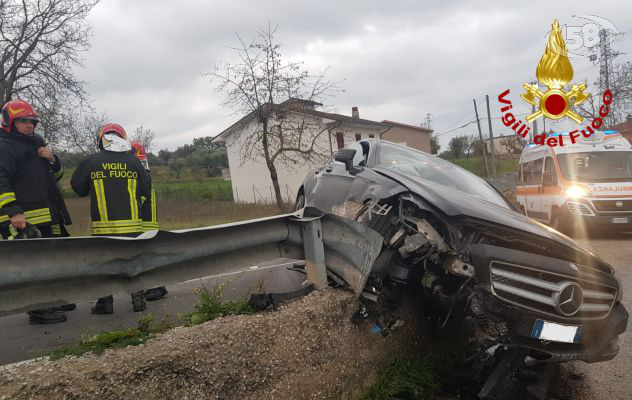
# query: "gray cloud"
{"points": [[399, 59]]}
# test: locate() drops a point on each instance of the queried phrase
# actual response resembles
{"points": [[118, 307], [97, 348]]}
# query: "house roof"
{"points": [[307, 107], [419, 128]]}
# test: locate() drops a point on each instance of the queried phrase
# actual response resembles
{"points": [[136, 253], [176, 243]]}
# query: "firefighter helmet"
{"points": [[112, 128], [17, 109], [140, 153]]}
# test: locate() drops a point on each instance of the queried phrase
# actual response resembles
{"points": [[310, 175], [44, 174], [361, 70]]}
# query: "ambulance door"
{"points": [[550, 188], [534, 189]]}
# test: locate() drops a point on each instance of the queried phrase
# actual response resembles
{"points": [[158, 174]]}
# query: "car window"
{"points": [[434, 169], [549, 169]]}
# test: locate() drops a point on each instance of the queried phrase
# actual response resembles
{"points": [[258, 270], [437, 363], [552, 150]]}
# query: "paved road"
{"points": [[611, 380], [21, 341]]}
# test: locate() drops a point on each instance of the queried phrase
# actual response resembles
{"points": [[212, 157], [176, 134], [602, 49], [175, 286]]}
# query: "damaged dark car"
{"points": [[450, 233]]}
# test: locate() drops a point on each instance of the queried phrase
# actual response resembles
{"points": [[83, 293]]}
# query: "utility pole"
{"points": [[491, 138], [428, 123], [480, 136], [534, 128]]}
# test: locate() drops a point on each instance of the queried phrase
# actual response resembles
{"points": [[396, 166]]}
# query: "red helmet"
{"points": [[139, 150], [17, 109], [112, 128], [140, 153]]}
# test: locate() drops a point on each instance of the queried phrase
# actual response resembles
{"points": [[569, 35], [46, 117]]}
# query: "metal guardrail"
{"points": [[37, 273]]}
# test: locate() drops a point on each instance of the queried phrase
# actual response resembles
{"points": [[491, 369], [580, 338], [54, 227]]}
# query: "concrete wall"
{"points": [[410, 137]]}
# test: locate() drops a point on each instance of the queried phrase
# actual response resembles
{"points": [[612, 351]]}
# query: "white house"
{"points": [[250, 176]]}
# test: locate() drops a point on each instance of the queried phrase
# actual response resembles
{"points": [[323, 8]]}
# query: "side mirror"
{"points": [[345, 156], [547, 180]]}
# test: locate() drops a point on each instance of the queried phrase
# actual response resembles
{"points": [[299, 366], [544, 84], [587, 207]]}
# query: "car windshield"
{"points": [[605, 166], [434, 169]]}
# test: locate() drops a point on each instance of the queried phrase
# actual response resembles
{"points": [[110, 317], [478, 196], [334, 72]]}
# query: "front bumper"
{"points": [[583, 212], [599, 333], [599, 341]]}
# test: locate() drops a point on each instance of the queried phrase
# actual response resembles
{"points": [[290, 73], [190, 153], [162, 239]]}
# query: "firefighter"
{"points": [[117, 185], [149, 215], [27, 167]]}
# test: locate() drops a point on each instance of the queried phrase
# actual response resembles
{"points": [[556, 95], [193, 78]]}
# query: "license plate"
{"points": [[556, 332], [620, 220]]}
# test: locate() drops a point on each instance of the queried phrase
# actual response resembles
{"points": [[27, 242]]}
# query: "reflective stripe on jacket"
{"points": [[24, 178], [117, 185]]}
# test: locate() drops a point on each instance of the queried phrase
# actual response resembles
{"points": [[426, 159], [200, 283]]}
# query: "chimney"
{"points": [[354, 112]]}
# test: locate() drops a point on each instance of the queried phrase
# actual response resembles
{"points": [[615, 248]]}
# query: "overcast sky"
{"points": [[399, 60]]}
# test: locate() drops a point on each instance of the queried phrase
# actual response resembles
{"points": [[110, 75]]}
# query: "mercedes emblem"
{"points": [[619, 204], [568, 299]]}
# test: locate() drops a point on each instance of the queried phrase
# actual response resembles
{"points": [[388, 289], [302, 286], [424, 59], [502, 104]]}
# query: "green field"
{"points": [[476, 165], [192, 185]]}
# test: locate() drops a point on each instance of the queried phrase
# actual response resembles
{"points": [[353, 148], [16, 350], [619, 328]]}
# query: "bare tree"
{"points": [[621, 87], [80, 130], [145, 137], [279, 95], [41, 41]]}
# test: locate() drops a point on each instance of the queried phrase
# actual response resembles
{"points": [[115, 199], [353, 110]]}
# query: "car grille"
{"points": [[540, 291], [578, 208], [611, 205]]}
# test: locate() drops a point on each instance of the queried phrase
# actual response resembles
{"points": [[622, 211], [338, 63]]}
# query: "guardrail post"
{"points": [[314, 253]]}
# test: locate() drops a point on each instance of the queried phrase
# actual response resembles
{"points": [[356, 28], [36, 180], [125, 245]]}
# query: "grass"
{"points": [[476, 165], [202, 189], [147, 328], [417, 377], [211, 306], [178, 214]]}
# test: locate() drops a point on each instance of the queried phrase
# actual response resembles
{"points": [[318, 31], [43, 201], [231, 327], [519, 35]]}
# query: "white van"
{"points": [[588, 183]]}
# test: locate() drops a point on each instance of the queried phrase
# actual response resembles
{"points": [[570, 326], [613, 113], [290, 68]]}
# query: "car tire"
{"points": [[300, 202]]}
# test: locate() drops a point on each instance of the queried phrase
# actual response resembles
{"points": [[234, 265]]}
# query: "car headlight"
{"points": [[577, 192]]}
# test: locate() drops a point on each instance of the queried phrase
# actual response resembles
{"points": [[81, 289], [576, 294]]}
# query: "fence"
{"points": [[506, 182], [263, 194]]}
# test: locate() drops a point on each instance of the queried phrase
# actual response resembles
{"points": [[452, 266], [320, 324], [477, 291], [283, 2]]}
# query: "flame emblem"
{"points": [[554, 71]]}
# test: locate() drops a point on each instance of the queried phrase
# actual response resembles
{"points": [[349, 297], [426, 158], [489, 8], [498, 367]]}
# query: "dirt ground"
{"points": [[309, 349]]}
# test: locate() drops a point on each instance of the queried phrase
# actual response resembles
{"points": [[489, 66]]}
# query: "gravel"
{"points": [[309, 349]]}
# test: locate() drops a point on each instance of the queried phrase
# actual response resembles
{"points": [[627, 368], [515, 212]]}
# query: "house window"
{"points": [[371, 136], [340, 140], [358, 137]]}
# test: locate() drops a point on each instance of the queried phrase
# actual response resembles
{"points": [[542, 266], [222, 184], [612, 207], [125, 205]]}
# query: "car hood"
{"points": [[455, 204]]}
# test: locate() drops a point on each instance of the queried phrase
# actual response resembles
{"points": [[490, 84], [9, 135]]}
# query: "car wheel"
{"points": [[300, 202]]}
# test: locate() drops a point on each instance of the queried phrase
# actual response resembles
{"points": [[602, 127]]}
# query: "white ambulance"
{"points": [[587, 184]]}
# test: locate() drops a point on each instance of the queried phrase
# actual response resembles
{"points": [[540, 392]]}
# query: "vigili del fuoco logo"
{"points": [[555, 72]]}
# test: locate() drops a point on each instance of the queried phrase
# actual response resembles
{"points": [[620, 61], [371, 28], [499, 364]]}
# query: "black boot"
{"points": [[155, 293], [138, 301], [46, 316], [105, 305]]}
